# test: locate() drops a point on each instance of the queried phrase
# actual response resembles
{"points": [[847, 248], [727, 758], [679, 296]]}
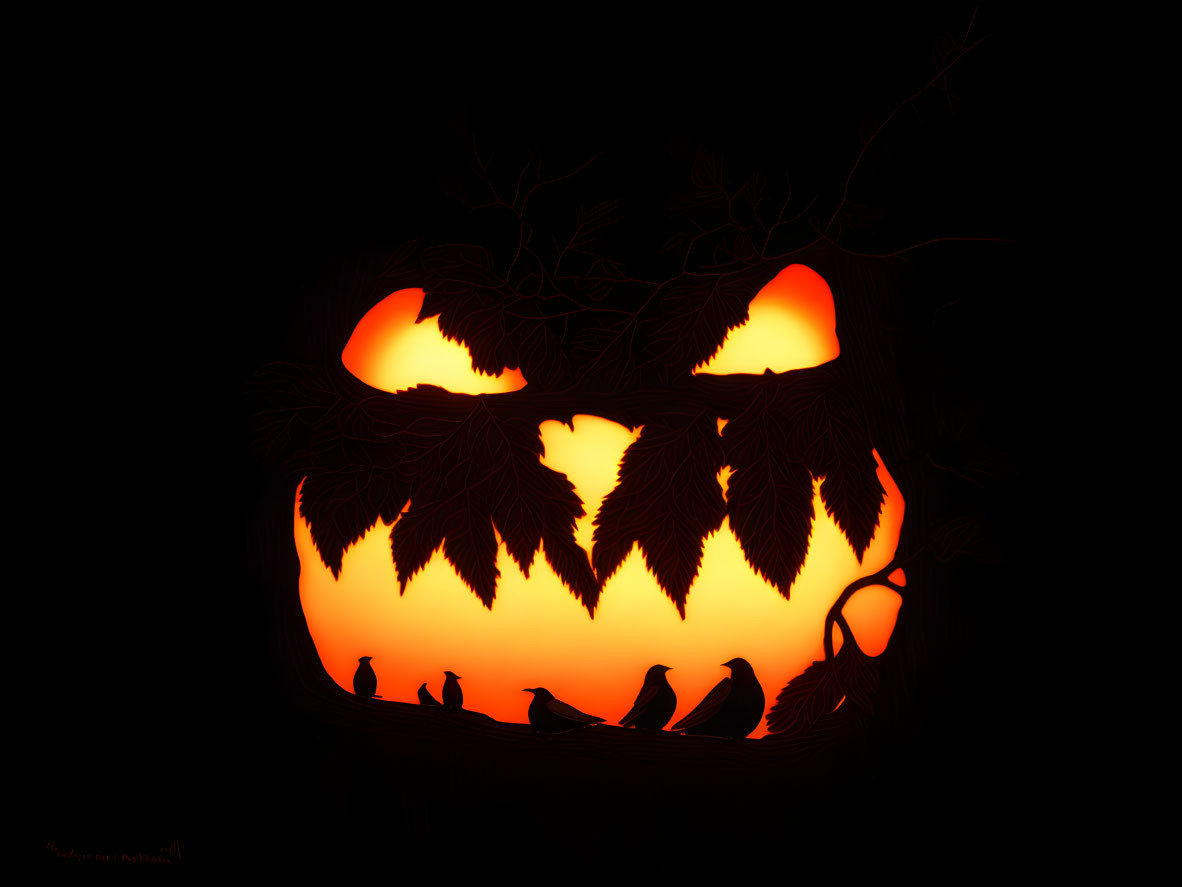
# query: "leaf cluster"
{"points": [[848, 678], [481, 472], [586, 334], [471, 468]]}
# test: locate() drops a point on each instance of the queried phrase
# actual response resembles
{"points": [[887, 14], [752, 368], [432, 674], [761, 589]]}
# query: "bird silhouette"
{"points": [[425, 697], [732, 709], [453, 696], [654, 703], [550, 715], [365, 682]]}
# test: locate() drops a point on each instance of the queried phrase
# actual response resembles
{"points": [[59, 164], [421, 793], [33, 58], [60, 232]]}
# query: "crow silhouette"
{"points": [[550, 715], [655, 702], [732, 709], [425, 697], [453, 696], [365, 682]]}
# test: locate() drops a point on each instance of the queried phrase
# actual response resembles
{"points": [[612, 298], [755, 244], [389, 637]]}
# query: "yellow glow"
{"points": [[791, 325], [590, 456], [389, 351], [537, 634]]}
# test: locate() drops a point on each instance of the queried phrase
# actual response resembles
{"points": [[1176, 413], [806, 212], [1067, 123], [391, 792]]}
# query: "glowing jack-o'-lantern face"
{"points": [[537, 633]]}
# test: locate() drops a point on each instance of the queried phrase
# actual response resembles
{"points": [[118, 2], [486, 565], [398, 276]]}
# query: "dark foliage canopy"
{"points": [[469, 465]]}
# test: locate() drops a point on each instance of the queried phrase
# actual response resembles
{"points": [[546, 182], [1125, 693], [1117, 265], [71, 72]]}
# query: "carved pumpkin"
{"points": [[534, 632]]}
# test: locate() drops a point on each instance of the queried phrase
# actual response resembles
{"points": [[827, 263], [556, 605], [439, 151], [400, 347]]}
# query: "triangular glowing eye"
{"points": [[389, 351], [791, 325]]}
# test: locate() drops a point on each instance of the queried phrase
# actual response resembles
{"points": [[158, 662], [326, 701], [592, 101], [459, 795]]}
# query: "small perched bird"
{"points": [[654, 703], [550, 715], [732, 709], [425, 697], [365, 682], [453, 696]]}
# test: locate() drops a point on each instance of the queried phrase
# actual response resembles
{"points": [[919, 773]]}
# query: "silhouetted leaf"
{"points": [[770, 507], [853, 497], [668, 500], [570, 564], [806, 699], [808, 413], [474, 473], [474, 318], [769, 496], [301, 411], [519, 524], [696, 315], [442, 489], [469, 299], [829, 436], [470, 546], [698, 311], [350, 480], [534, 349], [413, 540], [604, 352], [341, 505], [499, 325], [534, 505], [434, 302], [816, 692]]}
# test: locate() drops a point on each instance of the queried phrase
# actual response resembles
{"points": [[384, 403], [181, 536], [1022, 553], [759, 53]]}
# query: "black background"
{"points": [[261, 181]]}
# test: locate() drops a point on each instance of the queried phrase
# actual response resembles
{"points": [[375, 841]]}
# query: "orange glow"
{"points": [[898, 577], [838, 639], [537, 634], [389, 351], [791, 325], [871, 613]]}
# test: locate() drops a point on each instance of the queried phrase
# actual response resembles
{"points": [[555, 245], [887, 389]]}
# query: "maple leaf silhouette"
{"points": [[698, 311], [668, 501], [816, 693], [477, 472], [500, 326], [535, 506], [342, 505], [828, 435], [769, 495]]}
